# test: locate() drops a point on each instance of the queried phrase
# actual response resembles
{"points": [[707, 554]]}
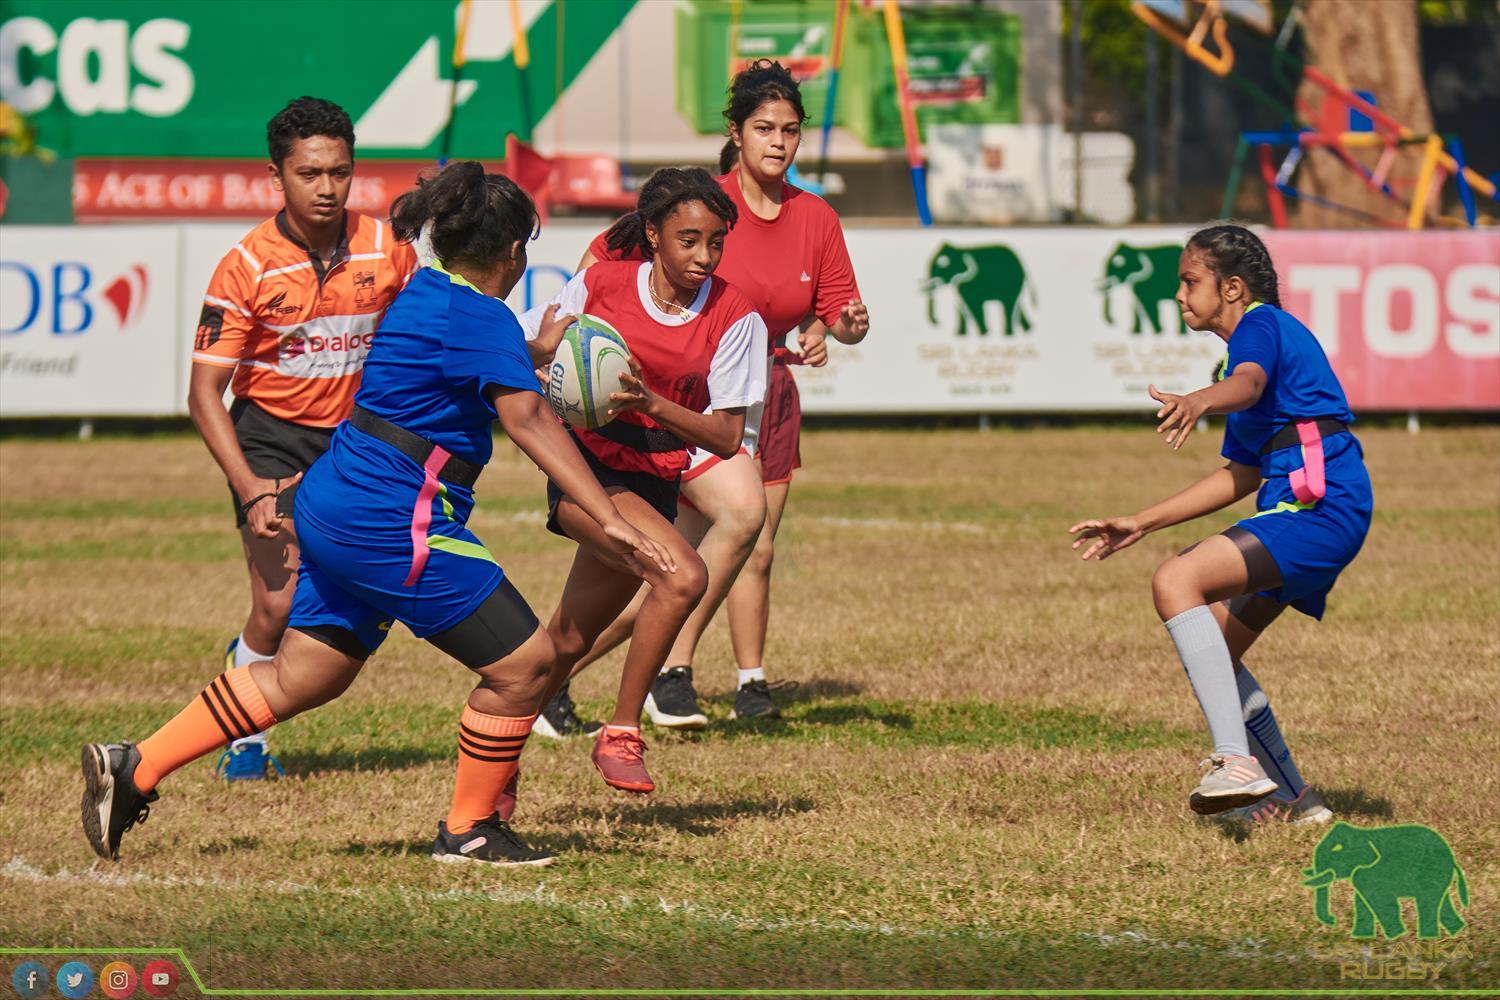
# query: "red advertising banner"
{"points": [[1411, 321], [130, 189]]}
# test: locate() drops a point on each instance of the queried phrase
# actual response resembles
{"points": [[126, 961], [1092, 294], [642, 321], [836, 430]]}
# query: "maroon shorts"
{"points": [[780, 445]]}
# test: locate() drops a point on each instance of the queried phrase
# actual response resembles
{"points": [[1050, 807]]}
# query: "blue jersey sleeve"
{"points": [[1255, 339], [486, 346]]}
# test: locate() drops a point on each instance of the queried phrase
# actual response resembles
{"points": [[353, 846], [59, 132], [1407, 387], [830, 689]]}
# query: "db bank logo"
{"points": [[68, 297]]}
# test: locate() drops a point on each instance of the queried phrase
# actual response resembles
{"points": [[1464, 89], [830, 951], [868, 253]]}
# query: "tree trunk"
{"points": [[1369, 45]]}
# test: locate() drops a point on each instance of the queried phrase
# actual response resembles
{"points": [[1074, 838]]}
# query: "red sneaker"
{"points": [[620, 757], [505, 805]]}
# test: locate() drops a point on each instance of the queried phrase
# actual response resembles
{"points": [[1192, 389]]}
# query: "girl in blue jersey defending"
{"points": [[382, 521], [1287, 435]]}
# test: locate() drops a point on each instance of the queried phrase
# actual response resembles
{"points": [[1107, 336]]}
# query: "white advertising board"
{"points": [[99, 321], [88, 321], [986, 320]]}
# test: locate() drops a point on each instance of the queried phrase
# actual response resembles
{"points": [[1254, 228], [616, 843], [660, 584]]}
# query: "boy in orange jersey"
{"points": [[287, 321]]}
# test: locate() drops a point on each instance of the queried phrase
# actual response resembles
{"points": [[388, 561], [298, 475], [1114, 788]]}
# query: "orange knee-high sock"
{"points": [[489, 750], [229, 709]]}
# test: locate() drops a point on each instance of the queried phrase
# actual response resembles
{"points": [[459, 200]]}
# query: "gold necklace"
{"points": [[664, 305]]}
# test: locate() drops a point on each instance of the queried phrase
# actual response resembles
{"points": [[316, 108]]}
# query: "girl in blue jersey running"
{"points": [[1287, 435], [382, 521]]}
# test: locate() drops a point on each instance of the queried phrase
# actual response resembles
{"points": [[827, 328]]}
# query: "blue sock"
{"points": [[1265, 737]]}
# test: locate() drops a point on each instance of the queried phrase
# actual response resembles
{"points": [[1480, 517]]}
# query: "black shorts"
{"points": [[660, 493], [275, 449]]}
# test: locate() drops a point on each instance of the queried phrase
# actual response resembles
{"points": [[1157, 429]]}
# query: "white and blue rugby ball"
{"points": [[585, 370]]}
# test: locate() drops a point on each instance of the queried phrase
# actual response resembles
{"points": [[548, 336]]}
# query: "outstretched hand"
{"points": [[1178, 415], [1109, 535]]}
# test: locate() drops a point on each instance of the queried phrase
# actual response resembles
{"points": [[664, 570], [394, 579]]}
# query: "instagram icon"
{"points": [[118, 980]]}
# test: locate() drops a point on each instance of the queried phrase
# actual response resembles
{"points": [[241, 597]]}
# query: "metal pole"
{"points": [[1153, 129], [1174, 138], [1075, 10]]}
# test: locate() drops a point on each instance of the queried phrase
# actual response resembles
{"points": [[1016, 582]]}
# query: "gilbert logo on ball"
{"points": [[585, 370]]}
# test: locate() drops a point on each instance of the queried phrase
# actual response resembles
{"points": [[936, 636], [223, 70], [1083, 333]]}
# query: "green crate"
{"points": [[965, 66], [798, 33]]}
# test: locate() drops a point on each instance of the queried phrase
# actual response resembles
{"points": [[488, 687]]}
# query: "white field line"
{"points": [[18, 869]]}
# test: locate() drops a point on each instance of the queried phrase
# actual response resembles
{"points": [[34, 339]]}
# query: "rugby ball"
{"points": [[585, 370]]}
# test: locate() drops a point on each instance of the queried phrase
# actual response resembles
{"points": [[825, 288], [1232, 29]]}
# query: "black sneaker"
{"points": [[753, 701], [673, 703], [559, 720], [111, 802], [491, 840]]}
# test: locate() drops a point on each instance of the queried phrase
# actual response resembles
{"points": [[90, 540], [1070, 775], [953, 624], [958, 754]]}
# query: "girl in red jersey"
{"points": [[787, 255], [698, 351]]}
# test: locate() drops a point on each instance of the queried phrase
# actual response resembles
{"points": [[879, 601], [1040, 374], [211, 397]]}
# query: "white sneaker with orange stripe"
{"points": [[1307, 809], [1231, 782]]}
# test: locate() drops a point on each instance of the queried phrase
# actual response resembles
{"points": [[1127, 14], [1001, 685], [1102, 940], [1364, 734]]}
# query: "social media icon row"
{"points": [[117, 979]]}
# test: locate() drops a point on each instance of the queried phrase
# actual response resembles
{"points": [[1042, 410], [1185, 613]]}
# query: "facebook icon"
{"points": [[30, 979]]}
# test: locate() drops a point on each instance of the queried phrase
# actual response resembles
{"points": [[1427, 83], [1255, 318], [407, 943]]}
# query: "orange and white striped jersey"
{"points": [[296, 330]]}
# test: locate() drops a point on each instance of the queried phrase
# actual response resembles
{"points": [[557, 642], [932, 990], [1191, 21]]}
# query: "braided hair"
{"points": [[469, 216], [658, 198], [1233, 251], [759, 83]]}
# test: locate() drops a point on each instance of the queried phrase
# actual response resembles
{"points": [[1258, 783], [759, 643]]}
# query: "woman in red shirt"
{"points": [[787, 254], [698, 353]]}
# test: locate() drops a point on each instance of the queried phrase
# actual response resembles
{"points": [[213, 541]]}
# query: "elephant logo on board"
{"points": [[981, 276], [1150, 274], [1385, 865]]}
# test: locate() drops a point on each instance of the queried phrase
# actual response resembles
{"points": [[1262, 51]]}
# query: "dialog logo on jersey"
{"points": [[1139, 288], [989, 285]]}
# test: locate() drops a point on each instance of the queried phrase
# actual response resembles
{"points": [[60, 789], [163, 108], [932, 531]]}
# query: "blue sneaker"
{"points": [[229, 652], [248, 760]]}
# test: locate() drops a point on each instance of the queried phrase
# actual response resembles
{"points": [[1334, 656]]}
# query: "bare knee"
{"points": [[522, 677], [1174, 588], [686, 587], [568, 645], [761, 557], [271, 610], [742, 526]]}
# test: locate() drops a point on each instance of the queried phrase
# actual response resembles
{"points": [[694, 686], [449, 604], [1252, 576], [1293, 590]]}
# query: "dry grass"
{"points": [[981, 783]]}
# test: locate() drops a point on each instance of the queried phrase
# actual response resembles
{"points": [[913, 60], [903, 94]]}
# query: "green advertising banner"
{"points": [[198, 79]]}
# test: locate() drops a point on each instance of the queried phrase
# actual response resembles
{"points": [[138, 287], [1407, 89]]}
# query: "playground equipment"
{"points": [[1342, 121]]}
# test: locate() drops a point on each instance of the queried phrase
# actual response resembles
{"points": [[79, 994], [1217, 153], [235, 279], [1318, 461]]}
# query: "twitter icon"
{"points": [[75, 980]]}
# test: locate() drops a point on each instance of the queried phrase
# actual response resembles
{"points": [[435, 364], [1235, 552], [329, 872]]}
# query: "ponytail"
{"points": [[658, 197], [467, 215], [728, 156]]}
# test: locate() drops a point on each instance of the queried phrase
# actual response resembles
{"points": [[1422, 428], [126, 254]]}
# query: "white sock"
{"points": [[244, 655], [1265, 738], [1205, 657], [753, 674]]}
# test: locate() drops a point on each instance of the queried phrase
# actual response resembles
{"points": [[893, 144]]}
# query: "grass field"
{"points": [[981, 781]]}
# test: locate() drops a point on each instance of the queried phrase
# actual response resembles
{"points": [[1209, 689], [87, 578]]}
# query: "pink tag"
{"points": [[421, 514], [1308, 484]]}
